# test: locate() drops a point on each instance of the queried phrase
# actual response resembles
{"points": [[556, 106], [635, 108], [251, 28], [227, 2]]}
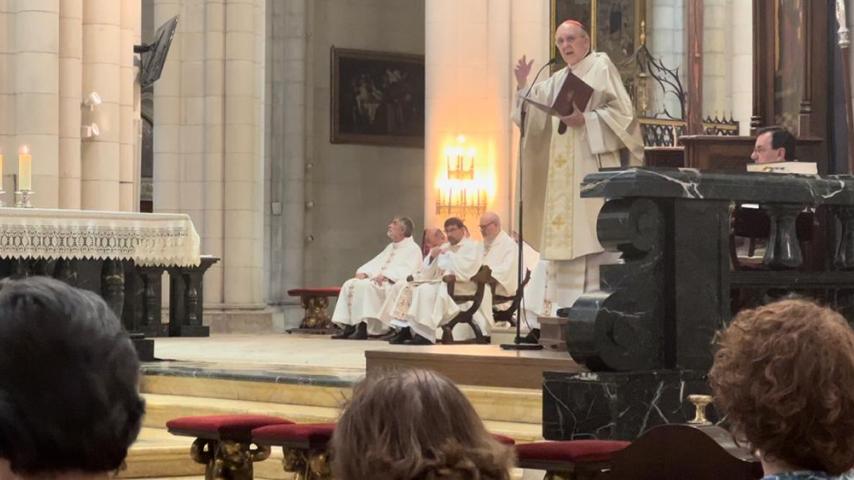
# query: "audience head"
{"points": [[455, 230], [433, 237], [490, 226], [784, 376], [773, 144], [400, 228], [572, 41], [69, 401], [414, 424]]}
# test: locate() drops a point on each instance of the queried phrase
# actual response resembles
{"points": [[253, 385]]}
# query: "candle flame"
{"points": [[24, 150]]}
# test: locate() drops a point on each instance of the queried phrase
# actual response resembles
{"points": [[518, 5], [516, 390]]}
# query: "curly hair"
{"points": [[415, 425], [784, 376], [69, 399]]}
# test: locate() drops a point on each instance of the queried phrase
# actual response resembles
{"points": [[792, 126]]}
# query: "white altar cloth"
{"points": [[149, 239]]}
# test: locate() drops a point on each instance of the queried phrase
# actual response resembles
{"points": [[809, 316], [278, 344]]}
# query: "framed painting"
{"points": [[377, 98], [614, 27]]}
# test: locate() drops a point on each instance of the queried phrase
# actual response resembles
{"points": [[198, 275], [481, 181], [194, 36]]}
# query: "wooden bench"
{"points": [[315, 301]]}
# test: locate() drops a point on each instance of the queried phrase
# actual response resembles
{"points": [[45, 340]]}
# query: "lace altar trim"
{"points": [[147, 239]]}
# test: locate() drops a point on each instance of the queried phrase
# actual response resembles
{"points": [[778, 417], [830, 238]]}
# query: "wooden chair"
{"points": [[481, 279], [507, 315]]}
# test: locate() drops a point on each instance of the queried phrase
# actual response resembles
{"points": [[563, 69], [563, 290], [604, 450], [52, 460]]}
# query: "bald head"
{"points": [[433, 237], [572, 41], [490, 226]]}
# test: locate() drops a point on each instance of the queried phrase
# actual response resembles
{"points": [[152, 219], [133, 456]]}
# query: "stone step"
{"points": [[491, 403]]}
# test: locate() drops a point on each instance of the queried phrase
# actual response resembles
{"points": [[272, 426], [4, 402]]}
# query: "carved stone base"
{"points": [[618, 406]]}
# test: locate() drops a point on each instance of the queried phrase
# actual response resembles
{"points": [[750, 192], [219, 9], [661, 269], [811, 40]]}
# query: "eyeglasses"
{"points": [[485, 225]]}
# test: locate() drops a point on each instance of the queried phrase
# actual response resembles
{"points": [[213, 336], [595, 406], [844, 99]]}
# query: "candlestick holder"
{"points": [[23, 198]]}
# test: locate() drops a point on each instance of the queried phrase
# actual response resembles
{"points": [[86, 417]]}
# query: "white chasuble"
{"points": [[361, 300], [502, 257], [558, 223], [424, 304]]}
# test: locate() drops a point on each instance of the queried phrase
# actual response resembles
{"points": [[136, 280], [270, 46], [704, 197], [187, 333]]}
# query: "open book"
{"points": [[804, 168], [574, 93]]}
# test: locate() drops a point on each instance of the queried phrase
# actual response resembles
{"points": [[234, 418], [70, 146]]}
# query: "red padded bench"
{"points": [[224, 442], [304, 446], [571, 459], [315, 301]]}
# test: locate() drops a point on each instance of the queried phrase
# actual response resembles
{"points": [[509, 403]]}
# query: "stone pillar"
{"points": [[167, 118], [7, 84], [243, 153], [130, 17], [193, 85], [36, 74], [530, 25], [289, 127], [467, 67], [741, 29], [102, 74], [70, 89], [214, 158]]}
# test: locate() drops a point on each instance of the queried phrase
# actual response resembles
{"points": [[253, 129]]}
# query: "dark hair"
{"points": [[408, 225], [69, 376], [784, 376], [454, 221], [780, 138], [413, 424]]}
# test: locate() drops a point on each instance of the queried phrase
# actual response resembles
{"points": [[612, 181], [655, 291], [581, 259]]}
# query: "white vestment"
{"points": [[425, 305], [361, 300], [502, 257], [558, 222]]}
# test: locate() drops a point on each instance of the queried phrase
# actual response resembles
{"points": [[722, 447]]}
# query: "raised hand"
{"points": [[522, 70]]}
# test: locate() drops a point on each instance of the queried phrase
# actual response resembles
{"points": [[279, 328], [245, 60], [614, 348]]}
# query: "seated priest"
{"points": [[433, 237], [424, 305], [774, 152], [501, 255], [363, 295]]}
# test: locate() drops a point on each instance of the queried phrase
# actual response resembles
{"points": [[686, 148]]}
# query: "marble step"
{"points": [[491, 403]]}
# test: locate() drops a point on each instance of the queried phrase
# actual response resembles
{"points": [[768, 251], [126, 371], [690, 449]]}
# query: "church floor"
{"points": [[301, 377]]}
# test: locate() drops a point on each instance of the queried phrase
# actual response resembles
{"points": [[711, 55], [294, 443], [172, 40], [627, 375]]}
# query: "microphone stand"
{"points": [[517, 342]]}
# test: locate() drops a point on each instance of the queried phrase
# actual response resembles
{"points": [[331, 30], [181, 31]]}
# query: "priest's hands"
{"points": [[361, 276], [522, 70], [379, 279], [574, 119], [435, 251]]}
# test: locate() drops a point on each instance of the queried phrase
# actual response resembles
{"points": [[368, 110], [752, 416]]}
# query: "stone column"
{"points": [[128, 113], [7, 84], [243, 154], [214, 119], [167, 117], [288, 126], [102, 74], [530, 25], [36, 73], [70, 88], [193, 85], [741, 80], [467, 93]]}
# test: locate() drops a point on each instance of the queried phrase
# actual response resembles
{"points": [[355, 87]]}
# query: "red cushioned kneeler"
{"points": [[222, 427], [563, 455], [301, 436]]}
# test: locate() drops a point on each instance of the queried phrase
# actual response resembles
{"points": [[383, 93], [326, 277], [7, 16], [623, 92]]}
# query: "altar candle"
{"points": [[25, 168]]}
